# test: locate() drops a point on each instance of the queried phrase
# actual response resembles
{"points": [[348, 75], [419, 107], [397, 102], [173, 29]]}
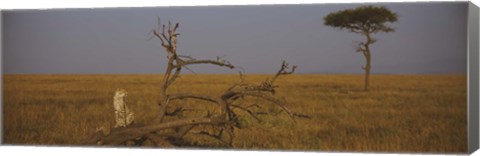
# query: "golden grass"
{"points": [[401, 113]]}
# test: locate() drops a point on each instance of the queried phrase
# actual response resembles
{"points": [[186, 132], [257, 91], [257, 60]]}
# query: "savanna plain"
{"points": [[400, 113]]}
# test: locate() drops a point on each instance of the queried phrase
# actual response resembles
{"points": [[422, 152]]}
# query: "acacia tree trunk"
{"points": [[367, 67], [367, 70]]}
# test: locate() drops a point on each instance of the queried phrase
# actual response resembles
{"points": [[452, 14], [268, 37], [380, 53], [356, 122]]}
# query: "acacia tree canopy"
{"points": [[364, 19]]}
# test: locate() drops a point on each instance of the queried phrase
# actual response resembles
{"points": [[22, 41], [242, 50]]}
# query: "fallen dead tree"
{"points": [[219, 125]]}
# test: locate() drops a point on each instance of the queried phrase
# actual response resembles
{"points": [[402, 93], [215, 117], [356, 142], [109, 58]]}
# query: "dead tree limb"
{"points": [[192, 96], [222, 120], [121, 135]]}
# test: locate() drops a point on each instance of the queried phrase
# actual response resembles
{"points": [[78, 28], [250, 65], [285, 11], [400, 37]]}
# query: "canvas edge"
{"points": [[1, 77], [473, 77]]}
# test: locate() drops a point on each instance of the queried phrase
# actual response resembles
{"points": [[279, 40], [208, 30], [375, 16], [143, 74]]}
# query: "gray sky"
{"points": [[429, 38]]}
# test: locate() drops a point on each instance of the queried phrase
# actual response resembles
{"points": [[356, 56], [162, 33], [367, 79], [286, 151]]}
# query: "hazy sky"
{"points": [[429, 38]]}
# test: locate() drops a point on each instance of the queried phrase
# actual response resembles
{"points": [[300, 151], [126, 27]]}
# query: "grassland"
{"points": [[401, 113]]}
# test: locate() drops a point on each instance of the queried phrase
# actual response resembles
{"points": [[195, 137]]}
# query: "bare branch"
{"points": [[168, 39], [176, 26], [190, 70], [124, 134], [253, 105], [217, 136], [177, 111], [192, 96], [218, 63], [159, 37], [278, 102], [248, 111], [188, 57], [283, 71], [174, 76]]}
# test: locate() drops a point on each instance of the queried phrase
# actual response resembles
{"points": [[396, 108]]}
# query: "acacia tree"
{"points": [[364, 20], [172, 123]]}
